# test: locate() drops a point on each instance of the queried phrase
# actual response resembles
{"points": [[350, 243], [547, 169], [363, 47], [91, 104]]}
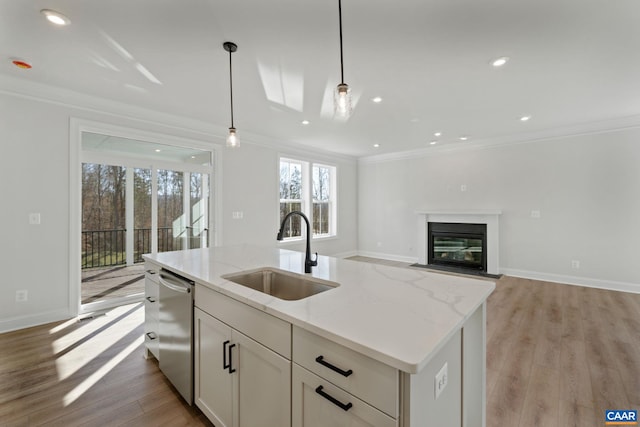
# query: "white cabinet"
{"points": [[240, 382], [336, 386], [151, 310], [254, 369], [319, 403]]}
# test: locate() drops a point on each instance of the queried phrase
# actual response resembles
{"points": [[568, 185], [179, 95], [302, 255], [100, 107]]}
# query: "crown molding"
{"points": [[591, 128], [197, 129]]}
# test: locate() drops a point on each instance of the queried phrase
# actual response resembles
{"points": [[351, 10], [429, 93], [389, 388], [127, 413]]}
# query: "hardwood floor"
{"points": [[87, 373], [557, 355]]}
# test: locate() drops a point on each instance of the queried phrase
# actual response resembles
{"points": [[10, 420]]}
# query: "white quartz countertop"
{"points": [[399, 316]]}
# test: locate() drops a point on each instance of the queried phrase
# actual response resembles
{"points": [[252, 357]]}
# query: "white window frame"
{"points": [[77, 157], [307, 196]]}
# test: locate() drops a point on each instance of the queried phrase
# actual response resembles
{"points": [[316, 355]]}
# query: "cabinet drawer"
{"points": [[151, 271], [317, 402], [370, 380], [268, 330], [151, 291], [151, 336]]}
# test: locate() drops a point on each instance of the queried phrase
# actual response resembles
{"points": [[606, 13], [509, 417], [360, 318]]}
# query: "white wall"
{"points": [[587, 189], [34, 177], [251, 186]]}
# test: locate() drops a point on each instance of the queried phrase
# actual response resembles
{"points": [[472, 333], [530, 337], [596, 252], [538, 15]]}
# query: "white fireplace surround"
{"points": [[488, 217]]}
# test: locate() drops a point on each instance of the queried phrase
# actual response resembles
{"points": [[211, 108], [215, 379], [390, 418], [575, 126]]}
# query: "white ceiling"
{"points": [[573, 63]]}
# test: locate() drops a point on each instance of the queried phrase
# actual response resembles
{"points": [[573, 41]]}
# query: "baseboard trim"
{"points": [[573, 280], [21, 322], [346, 254]]}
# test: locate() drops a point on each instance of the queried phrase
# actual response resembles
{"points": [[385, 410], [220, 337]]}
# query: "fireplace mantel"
{"points": [[488, 217]]}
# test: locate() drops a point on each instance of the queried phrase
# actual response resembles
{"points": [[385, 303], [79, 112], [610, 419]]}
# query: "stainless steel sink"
{"points": [[281, 284]]}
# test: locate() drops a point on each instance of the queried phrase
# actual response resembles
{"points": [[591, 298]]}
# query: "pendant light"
{"points": [[342, 95], [232, 139]]}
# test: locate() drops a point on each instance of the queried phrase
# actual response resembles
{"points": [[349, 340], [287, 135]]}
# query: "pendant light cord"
{"points": [[341, 59], [231, 87]]}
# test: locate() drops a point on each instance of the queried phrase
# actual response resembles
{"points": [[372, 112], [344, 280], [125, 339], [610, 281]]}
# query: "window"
{"points": [[309, 188]]}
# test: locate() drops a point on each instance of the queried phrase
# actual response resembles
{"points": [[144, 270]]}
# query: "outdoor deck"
{"points": [[102, 283]]}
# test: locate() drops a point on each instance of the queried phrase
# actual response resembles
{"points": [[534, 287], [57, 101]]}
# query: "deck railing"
{"points": [[102, 248]]}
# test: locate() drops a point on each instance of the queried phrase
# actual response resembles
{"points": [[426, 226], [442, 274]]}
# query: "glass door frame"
{"points": [[77, 157]]}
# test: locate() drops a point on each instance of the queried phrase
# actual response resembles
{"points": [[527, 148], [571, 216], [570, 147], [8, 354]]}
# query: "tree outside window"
{"points": [[309, 188]]}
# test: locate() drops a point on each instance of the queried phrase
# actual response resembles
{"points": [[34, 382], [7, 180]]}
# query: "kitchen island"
{"points": [[413, 341]]}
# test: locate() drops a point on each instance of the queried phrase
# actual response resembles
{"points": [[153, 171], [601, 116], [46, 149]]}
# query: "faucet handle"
{"points": [[315, 261]]}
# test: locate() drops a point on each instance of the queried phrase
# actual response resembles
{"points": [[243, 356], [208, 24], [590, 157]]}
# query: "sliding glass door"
{"points": [[137, 197]]}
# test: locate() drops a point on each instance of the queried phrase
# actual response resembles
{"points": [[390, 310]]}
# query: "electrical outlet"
{"points": [[442, 377], [237, 215], [535, 214], [575, 264], [22, 295], [463, 187]]}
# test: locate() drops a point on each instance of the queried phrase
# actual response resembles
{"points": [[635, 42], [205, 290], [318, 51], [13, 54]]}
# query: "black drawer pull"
{"points": [[151, 299], [320, 360], [343, 406], [152, 335]]}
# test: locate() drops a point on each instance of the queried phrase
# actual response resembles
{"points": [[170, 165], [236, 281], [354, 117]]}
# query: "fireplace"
{"points": [[458, 245], [490, 249]]}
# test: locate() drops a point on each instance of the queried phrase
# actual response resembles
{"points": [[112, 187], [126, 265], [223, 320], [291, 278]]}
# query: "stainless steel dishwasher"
{"points": [[176, 331]]}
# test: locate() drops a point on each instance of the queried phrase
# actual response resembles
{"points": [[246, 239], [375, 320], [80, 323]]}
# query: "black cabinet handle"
{"points": [[231, 370], [227, 364], [151, 299], [343, 406], [320, 360], [152, 335]]}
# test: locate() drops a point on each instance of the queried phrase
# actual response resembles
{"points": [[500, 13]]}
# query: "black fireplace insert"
{"points": [[458, 245]]}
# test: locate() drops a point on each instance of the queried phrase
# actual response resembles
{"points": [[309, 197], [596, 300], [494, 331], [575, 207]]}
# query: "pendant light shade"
{"points": [[232, 139], [342, 95]]}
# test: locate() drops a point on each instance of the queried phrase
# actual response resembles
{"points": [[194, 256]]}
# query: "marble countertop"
{"points": [[399, 316]]}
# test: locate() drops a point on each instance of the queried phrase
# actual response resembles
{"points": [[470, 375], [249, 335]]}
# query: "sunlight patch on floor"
{"points": [[85, 385], [76, 350]]}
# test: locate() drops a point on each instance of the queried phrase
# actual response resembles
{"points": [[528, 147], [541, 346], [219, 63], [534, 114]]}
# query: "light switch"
{"points": [[34, 218]]}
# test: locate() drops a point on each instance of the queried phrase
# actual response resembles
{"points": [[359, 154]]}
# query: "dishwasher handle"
{"points": [[174, 285]]}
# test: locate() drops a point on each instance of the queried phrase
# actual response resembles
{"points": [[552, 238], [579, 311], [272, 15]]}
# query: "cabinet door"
{"points": [[262, 384], [318, 403], [213, 383]]}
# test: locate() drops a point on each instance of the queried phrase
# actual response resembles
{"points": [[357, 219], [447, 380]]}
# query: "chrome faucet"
{"points": [[308, 263]]}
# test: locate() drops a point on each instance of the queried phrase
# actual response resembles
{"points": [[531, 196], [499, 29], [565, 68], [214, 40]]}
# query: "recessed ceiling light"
{"points": [[437, 134], [377, 100], [433, 142], [464, 138], [499, 62], [305, 122], [55, 17], [193, 157], [376, 145], [525, 118], [158, 150]]}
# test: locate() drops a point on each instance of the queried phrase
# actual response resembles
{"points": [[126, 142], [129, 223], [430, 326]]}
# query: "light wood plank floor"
{"points": [[104, 283], [557, 356]]}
